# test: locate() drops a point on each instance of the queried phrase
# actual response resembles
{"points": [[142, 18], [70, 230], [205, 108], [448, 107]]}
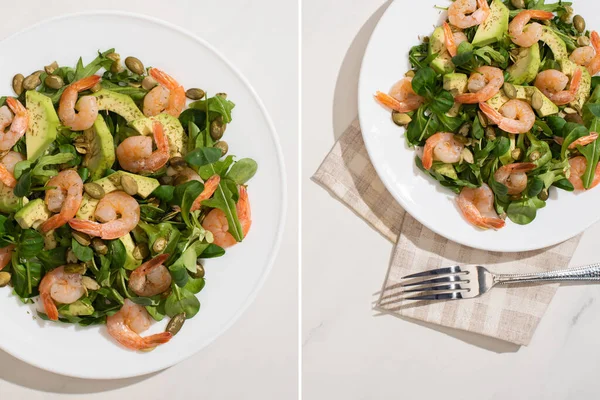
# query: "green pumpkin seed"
{"points": [[535, 156], [178, 163], [159, 244], [71, 257], [96, 88], [75, 268], [520, 4], [544, 194], [410, 74], [221, 144], [99, 246], [134, 65], [217, 128], [50, 241], [490, 133], [199, 271], [4, 278], [54, 82], [81, 238], [583, 41], [175, 324], [113, 56], [401, 119], [222, 95], [51, 68], [32, 81], [465, 129], [141, 251], [89, 283], [149, 82], [93, 190], [166, 180], [579, 23], [17, 84], [516, 154], [129, 185], [194, 94]]}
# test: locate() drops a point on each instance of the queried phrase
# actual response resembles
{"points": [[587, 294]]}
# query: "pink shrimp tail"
{"points": [[49, 306], [16, 106], [55, 221], [88, 227], [85, 83], [158, 260], [483, 4], [390, 102], [210, 186], [495, 223], [595, 41], [522, 167], [244, 211], [164, 79], [6, 177], [576, 81], [491, 113], [449, 38]]}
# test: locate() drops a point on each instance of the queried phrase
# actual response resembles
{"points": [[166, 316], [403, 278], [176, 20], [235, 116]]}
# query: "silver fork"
{"points": [[460, 282]]}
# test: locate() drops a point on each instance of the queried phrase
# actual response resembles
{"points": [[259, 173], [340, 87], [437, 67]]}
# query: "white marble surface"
{"points": [[348, 352], [257, 358]]}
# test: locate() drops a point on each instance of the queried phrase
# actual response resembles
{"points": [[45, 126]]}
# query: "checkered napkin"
{"points": [[509, 313]]}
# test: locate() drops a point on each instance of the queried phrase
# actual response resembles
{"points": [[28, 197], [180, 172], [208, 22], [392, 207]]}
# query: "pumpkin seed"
{"points": [[17, 84], [149, 83], [159, 244], [141, 251], [194, 94], [579, 23], [401, 119], [534, 156], [129, 185], [32, 81], [96, 88], [510, 90], [222, 95], [89, 283], [544, 194], [583, 41], [73, 268], [54, 82], [175, 324], [51, 68], [50, 241], [467, 156], [217, 128], [113, 56], [482, 119], [81, 238], [410, 74], [221, 144], [4, 278], [537, 100], [516, 154], [520, 4], [490, 133], [178, 163], [94, 190], [465, 129], [567, 15], [71, 257], [99, 246], [134, 65], [199, 271]]}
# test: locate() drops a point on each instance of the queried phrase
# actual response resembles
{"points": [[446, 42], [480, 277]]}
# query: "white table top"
{"points": [[351, 354], [257, 357]]}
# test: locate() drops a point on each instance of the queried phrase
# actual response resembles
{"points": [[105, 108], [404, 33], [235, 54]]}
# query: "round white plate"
{"points": [[385, 62], [231, 281]]}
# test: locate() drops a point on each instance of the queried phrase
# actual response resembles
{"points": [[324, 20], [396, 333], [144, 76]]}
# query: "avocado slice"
{"points": [[172, 128], [540, 103], [101, 149], [43, 124], [442, 64], [9, 203], [33, 214], [118, 103], [456, 84], [568, 67], [446, 170], [526, 66], [131, 262], [498, 100], [495, 27], [88, 205], [76, 309], [556, 44]]}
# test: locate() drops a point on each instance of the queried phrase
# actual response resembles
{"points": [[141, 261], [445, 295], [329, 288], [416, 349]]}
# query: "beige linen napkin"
{"points": [[507, 313]]}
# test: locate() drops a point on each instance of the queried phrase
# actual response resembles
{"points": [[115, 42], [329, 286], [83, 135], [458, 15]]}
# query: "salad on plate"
{"points": [[503, 106], [112, 191]]}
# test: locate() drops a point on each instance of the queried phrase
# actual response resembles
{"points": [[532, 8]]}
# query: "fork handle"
{"points": [[589, 273]]}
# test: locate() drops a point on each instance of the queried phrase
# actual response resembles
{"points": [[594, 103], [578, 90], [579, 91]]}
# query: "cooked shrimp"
{"points": [[216, 222], [156, 103], [6, 255], [118, 214], [62, 287], [443, 147], [484, 84], [131, 320], [87, 106], [151, 278], [63, 196], [583, 55], [514, 176], [7, 168], [553, 83], [210, 186], [18, 123], [135, 153], [582, 141], [467, 13], [578, 166], [477, 206], [453, 40], [525, 35], [516, 116], [594, 65], [402, 97]]}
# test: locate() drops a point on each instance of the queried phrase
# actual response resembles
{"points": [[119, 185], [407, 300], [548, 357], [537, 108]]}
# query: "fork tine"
{"points": [[440, 271], [449, 295], [441, 279], [434, 286]]}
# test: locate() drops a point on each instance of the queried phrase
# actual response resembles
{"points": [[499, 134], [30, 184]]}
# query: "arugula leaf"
{"points": [[102, 61], [218, 168], [464, 54], [216, 105], [184, 196], [591, 152], [23, 187], [571, 132]]}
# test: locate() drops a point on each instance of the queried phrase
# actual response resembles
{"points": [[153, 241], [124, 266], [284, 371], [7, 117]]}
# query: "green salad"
{"points": [[503, 106], [112, 191]]}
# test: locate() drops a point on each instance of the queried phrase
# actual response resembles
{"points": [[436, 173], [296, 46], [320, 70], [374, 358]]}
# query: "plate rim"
{"points": [[362, 92], [283, 182]]}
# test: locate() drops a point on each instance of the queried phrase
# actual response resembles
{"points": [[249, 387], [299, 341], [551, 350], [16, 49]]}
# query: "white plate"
{"points": [[233, 280], [385, 62]]}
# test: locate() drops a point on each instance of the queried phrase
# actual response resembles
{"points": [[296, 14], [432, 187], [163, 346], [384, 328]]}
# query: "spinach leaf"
{"points": [[26, 278], [535, 187], [30, 243], [186, 262], [522, 212], [83, 253], [69, 148], [464, 54], [242, 171], [203, 156], [421, 127], [23, 187], [164, 192], [116, 253], [442, 103], [195, 286], [102, 61], [218, 168], [556, 124], [212, 251], [564, 184], [477, 130], [423, 83], [544, 155], [182, 301], [502, 146]]}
